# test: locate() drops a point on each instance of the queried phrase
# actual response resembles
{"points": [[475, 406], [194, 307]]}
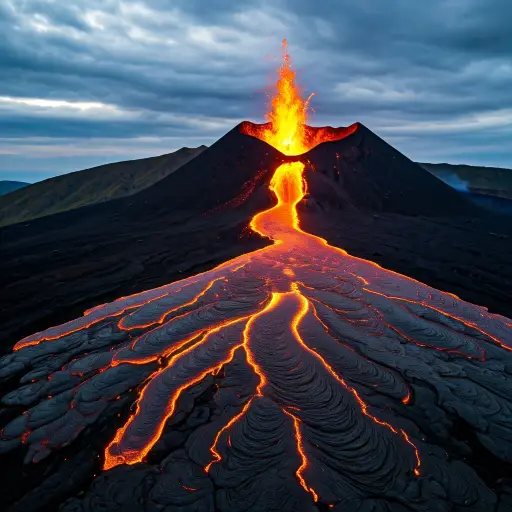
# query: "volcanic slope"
{"points": [[90, 186], [369, 175], [277, 381]]}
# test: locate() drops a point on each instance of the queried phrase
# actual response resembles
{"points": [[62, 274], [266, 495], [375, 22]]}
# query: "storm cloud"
{"points": [[91, 81]]}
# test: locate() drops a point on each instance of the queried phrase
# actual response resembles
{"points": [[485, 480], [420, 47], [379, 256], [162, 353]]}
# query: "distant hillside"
{"points": [[494, 181], [7, 186], [25, 202], [90, 186]]}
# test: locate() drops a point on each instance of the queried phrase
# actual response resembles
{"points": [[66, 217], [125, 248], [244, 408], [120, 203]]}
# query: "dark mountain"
{"points": [[90, 186], [364, 173], [7, 186], [494, 181]]}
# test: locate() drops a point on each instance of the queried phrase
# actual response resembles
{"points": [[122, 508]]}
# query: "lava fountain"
{"points": [[313, 357]]}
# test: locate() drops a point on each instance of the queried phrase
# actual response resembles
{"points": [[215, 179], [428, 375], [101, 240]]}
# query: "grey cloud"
{"points": [[394, 65]]}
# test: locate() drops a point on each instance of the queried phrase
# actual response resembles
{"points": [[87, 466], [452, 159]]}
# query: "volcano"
{"points": [[289, 375]]}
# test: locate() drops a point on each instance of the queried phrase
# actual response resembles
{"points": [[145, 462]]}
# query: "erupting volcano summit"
{"points": [[291, 378]]}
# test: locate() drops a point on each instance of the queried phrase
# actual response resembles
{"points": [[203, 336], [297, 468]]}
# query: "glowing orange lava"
{"points": [[288, 114], [287, 129], [303, 456]]}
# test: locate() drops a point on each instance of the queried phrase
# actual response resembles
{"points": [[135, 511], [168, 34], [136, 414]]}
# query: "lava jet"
{"points": [[293, 377]]}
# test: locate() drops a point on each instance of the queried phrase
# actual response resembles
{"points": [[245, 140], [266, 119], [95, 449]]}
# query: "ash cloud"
{"points": [[432, 79]]}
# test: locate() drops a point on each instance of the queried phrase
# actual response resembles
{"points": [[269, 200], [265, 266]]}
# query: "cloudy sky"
{"points": [[85, 82]]}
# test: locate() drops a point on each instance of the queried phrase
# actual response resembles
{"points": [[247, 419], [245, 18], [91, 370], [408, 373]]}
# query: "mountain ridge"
{"points": [[8, 186], [492, 181], [126, 178], [89, 186]]}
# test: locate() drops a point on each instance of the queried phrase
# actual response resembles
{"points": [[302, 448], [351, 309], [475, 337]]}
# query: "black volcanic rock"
{"points": [[363, 196], [229, 168], [365, 173]]}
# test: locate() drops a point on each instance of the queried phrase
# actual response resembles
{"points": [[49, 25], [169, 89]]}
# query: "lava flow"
{"points": [[287, 129], [311, 355]]}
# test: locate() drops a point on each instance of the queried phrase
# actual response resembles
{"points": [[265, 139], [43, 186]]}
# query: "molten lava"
{"points": [[298, 315], [288, 114], [287, 129]]}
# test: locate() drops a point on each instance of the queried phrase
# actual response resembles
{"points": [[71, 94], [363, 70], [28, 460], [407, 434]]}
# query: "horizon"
{"points": [[42, 177], [92, 83]]}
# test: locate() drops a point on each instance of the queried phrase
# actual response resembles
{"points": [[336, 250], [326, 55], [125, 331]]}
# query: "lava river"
{"points": [[315, 361]]}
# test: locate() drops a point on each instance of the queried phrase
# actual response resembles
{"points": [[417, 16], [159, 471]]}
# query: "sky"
{"points": [[87, 82]]}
